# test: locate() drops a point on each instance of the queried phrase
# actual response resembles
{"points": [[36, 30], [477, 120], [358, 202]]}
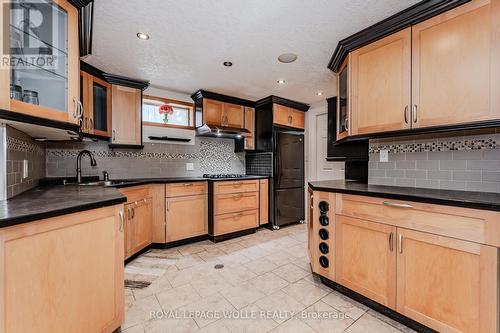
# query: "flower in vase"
{"points": [[166, 110]]}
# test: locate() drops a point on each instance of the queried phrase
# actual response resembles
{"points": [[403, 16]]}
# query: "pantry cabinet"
{"points": [[380, 74], [366, 258], [126, 116], [95, 96], [447, 284], [49, 87]]}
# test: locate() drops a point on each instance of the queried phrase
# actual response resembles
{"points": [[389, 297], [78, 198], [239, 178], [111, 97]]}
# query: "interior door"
{"points": [[456, 66], [366, 258], [447, 284], [289, 205], [289, 163], [380, 82]]}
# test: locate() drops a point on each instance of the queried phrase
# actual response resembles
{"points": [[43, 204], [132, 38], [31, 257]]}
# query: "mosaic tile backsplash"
{"points": [[259, 164], [208, 155], [21, 147], [459, 161]]}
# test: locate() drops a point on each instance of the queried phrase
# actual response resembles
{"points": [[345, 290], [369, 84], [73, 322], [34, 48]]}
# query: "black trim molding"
{"points": [[282, 101], [120, 146], [200, 94], [24, 118], [80, 3], [125, 81], [405, 18]]}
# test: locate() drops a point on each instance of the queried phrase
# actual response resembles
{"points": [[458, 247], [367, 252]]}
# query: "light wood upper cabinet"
{"points": [[186, 217], [447, 284], [126, 119], [68, 270], [212, 112], [250, 126], [366, 258], [95, 96], [380, 83], [456, 66], [286, 116], [234, 115], [344, 100]]}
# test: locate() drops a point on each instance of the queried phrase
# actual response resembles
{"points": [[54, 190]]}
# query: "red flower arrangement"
{"points": [[166, 110]]}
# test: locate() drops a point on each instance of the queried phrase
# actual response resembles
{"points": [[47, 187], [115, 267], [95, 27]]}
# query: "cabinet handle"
{"points": [[85, 123], [391, 241], [415, 116], [290, 119], [129, 213], [76, 107], [114, 135], [168, 206], [121, 220], [238, 214], [406, 114], [346, 124], [133, 212], [400, 243], [312, 199], [188, 184], [81, 108], [237, 184], [238, 196], [91, 124], [398, 205]]}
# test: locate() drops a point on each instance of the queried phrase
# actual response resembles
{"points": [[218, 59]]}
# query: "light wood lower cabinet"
{"points": [[63, 274], [447, 284], [228, 223], [186, 217], [138, 226], [366, 259]]}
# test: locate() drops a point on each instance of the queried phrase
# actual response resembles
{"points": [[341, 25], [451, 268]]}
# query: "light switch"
{"points": [[189, 166], [25, 169], [384, 155]]}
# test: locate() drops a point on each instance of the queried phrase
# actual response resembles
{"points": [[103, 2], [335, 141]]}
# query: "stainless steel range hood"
{"points": [[221, 132]]}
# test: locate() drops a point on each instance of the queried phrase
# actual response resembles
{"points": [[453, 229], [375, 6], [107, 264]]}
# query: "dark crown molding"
{"points": [[125, 81], [94, 71], [282, 101], [222, 98], [25, 118], [397, 22], [79, 4]]}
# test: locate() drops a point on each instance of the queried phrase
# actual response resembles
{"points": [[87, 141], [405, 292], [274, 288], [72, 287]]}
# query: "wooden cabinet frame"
{"points": [[287, 116], [343, 134], [87, 121]]}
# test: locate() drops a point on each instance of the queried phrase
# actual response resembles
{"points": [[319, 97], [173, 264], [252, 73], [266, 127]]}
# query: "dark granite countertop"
{"points": [[50, 201], [467, 199], [143, 181]]}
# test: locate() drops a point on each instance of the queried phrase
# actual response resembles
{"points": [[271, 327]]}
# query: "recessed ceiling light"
{"points": [[319, 93], [227, 63], [281, 81], [287, 58], [142, 36]]}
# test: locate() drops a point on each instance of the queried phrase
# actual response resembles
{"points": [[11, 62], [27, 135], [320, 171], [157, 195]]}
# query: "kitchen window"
{"points": [[157, 111]]}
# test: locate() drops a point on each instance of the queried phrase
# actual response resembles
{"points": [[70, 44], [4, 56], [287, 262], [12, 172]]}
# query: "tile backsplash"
{"points": [[208, 155], [20, 147], [259, 164], [467, 161]]}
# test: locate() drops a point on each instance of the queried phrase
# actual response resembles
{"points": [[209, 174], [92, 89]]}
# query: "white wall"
{"points": [[160, 92], [314, 154]]}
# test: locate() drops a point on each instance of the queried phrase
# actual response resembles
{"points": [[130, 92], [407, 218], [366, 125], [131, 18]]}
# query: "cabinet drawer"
{"points": [[184, 189], [463, 223], [236, 186], [230, 203], [135, 193], [233, 222]]}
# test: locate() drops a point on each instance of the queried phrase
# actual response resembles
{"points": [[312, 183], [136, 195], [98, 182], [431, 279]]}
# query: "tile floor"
{"points": [[266, 285]]}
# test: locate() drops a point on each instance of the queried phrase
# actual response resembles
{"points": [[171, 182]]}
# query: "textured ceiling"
{"points": [[190, 39]]}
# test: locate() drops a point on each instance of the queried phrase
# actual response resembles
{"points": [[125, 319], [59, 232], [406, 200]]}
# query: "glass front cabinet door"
{"points": [[343, 101], [40, 59], [95, 96]]}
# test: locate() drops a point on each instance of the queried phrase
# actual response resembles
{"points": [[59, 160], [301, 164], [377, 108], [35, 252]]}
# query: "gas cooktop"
{"points": [[222, 175]]}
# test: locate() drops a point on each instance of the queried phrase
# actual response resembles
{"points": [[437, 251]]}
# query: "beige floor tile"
{"points": [[260, 266], [189, 249], [290, 272], [369, 324], [238, 274], [229, 248], [157, 286], [281, 305], [164, 253], [211, 255], [280, 257], [268, 283], [293, 326], [129, 301], [188, 261], [177, 297], [134, 329], [171, 326], [346, 305], [242, 295], [208, 309], [252, 320], [210, 286], [215, 327], [323, 318], [389, 321], [305, 292], [140, 311]]}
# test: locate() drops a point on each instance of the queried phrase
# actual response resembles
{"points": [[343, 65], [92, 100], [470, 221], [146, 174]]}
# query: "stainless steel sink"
{"points": [[100, 183]]}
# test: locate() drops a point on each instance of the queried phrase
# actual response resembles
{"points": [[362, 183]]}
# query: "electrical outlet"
{"points": [[384, 155], [189, 166], [25, 169]]}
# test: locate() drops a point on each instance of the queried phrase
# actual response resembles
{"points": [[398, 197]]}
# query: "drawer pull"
{"points": [[238, 214], [398, 205], [121, 220], [188, 184], [391, 238], [400, 243], [237, 196], [238, 184]]}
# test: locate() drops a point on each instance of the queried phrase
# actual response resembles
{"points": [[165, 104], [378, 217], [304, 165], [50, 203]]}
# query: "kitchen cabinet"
{"points": [[287, 116], [138, 228], [249, 143], [126, 116], [186, 210], [234, 115], [366, 258], [95, 95], [68, 270], [456, 66], [50, 88], [380, 84], [344, 101], [213, 112], [263, 201], [446, 283], [223, 114]]}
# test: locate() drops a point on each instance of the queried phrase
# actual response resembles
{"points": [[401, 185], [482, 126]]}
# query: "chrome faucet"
{"points": [[79, 164]]}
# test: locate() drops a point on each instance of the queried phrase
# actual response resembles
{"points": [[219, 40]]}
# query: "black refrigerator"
{"points": [[288, 178]]}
